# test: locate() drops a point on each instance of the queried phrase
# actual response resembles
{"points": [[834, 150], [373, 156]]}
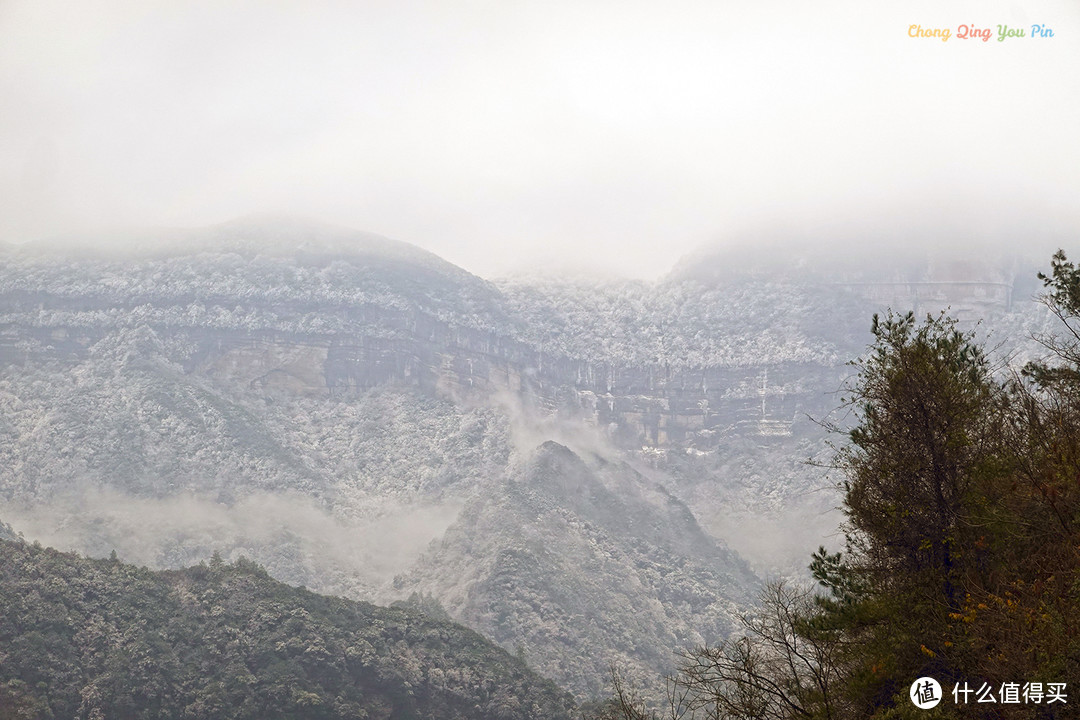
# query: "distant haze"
{"points": [[616, 136]]}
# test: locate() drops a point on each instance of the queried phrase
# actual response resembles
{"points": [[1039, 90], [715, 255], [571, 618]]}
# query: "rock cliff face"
{"points": [[641, 404], [689, 364]]}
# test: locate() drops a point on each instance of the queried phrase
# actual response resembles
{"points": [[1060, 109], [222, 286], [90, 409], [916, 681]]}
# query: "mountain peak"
{"points": [[268, 234]]}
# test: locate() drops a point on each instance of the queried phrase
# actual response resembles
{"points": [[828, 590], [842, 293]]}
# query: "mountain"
{"points": [[98, 638], [328, 414], [577, 565], [306, 241], [365, 419]]}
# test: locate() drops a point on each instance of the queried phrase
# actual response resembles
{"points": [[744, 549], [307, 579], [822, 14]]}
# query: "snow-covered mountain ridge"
{"points": [[366, 419]]}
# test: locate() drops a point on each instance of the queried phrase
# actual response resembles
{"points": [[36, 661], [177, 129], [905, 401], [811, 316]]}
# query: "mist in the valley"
{"points": [[287, 532], [774, 541]]}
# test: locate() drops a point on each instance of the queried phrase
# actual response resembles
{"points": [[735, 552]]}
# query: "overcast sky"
{"points": [[500, 134]]}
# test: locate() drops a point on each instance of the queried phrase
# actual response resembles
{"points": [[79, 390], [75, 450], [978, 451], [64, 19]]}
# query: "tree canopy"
{"points": [[961, 492], [97, 639]]}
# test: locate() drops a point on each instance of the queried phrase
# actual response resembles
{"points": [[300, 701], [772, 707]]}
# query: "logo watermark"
{"points": [[926, 693], [974, 32]]}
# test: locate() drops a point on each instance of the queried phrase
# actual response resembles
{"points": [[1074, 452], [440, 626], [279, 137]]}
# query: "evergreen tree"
{"points": [[962, 557]]}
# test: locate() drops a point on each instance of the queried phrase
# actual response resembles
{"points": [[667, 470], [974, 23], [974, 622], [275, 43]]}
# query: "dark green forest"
{"points": [[960, 481], [83, 638]]}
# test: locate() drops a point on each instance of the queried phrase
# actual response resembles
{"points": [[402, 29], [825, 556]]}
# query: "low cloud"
{"points": [[296, 539]]}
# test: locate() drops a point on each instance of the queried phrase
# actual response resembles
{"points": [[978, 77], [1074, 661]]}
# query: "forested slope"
{"points": [[88, 639]]}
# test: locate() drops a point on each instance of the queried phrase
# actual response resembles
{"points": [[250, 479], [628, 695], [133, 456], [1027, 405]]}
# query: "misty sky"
{"points": [[502, 134]]}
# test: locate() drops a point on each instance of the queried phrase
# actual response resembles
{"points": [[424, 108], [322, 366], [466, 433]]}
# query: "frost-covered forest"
{"points": [[585, 472], [682, 324]]}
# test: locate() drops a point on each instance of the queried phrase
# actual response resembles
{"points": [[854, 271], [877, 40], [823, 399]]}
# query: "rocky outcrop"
{"points": [[576, 556]]}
